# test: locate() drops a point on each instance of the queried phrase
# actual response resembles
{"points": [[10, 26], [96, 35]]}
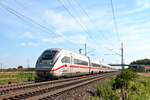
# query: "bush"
{"points": [[119, 87], [105, 92], [122, 80]]}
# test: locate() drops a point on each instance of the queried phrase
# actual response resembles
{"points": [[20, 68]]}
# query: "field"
{"points": [[16, 76]]}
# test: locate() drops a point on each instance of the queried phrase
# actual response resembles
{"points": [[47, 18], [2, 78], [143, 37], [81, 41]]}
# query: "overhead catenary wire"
{"points": [[29, 20], [83, 10], [33, 22], [117, 32], [83, 27], [70, 13], [77, 21], [90, 20], [25, 18], [88, 16], [114, 20]]}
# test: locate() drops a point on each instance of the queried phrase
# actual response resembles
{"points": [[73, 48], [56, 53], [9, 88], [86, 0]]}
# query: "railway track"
{"points": [[45, 90], [17, 87]]}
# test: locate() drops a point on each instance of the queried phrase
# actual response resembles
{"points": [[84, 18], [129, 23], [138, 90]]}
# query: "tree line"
{"points": [[139, 65]]}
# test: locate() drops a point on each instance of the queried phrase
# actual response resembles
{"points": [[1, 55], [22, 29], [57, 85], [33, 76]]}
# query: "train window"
{"points": [[65, 60], [95, 65], [104, 67], [80, 62]]}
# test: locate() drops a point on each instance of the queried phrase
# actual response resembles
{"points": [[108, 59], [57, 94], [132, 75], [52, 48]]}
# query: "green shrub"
{"points": [[134, 88], [105, 92]]}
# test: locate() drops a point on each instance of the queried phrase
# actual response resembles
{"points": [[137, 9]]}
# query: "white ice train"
{"points": [[54, 63]]}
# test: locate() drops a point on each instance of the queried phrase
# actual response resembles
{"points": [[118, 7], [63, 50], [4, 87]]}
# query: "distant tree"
{"points": [[14, 68], [20, 67], [141, 61], [137, 65]]}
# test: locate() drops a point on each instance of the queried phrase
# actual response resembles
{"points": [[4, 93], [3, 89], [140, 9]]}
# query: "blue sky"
{"points": [[22, 40]]}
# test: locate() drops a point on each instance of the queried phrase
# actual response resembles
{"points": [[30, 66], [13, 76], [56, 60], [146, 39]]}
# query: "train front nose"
{"points": [[43, 72], [42, 75], [45, 63]]}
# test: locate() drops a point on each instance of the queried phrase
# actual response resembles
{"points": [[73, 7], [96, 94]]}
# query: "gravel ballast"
{"points": [[80, 93]]}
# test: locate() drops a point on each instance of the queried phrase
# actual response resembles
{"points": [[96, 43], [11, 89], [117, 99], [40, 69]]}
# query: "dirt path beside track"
{"points": [[145, 74]]}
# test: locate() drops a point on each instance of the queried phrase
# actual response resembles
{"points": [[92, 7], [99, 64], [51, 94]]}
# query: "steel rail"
{"points": [[50, 88], [65, 88], [9, 89]]}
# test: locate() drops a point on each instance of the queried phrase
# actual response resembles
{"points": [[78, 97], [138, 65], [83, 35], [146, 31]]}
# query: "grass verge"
{"points": [[138, 89], [16, 77]]}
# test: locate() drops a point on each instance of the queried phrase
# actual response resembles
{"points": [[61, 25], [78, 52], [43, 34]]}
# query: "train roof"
{"points": [[79, 55], [57, 49]]}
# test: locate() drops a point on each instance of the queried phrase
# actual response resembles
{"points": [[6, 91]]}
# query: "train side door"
{"points": [[89, 65], [71, 62], [66, 61], [68, 64]]}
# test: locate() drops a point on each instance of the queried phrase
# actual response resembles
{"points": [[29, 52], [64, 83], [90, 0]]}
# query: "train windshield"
{"points": [[49, 55]]}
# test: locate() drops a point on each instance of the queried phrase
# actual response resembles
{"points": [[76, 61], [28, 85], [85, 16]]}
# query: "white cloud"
{"points": [[145, 4], [77, 39], [64, 23], [30, 44], [23, 44], [137, 50], [140, 5], [74, 39], [23, 35], [34, 44], [27, 35], [53, 40]]}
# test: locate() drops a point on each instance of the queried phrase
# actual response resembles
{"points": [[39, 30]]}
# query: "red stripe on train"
{"points": [[72, 66]]}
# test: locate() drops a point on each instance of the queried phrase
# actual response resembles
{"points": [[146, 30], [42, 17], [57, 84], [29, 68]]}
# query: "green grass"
{"points": [[137, 90], [140, 89], [16, 77], [105, 92]]}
